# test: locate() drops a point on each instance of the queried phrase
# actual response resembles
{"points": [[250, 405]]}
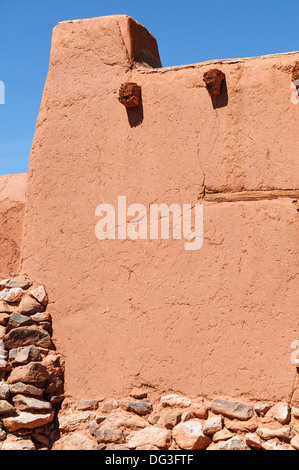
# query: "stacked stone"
{"points": [[31, 372], [177, 423]]}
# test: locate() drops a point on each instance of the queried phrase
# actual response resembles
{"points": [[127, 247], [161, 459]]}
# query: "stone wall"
{"points": [[176, 422], [31, 371]]}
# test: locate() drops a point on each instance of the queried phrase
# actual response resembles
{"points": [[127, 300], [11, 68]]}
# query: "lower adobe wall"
{"points": [[12, 204], [35, 413]]}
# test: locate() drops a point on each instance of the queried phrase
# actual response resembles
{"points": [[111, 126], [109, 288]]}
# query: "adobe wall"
{"points": [[12, 203], [214, 322]]}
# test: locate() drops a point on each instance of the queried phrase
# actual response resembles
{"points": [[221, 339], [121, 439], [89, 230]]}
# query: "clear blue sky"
{"points": [[187, 31]]}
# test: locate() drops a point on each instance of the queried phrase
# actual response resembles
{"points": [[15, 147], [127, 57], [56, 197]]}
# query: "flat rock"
{"points": [[26, 403], [262, 408], [24, 355], [222, 435], [29, 305], [2, 347], [253, 440], [2, 332], [175, 400], [189, 435], [12, 295], [273, 445], [3, 356], [232, 409], [16, 320], [41, 317], [21, 284], [171, 419], [295, 442], [4, 317], [75, 441], [3, 283], [235, 443], [55, 364], [154, 418], [197, 410], [40, 295], [125, 421], [295, 412], [281, 433], [5, 407], [152, 436], [4, 365], [109, 406], [213, 425], [6, 308], [281, 412], [138, 393], [71, 422], [242, 426], [32, 373], [85, 405], [25, 389], [27, 421], [17, 443], [27, 335], [139, 407], [106, 436], [4, 391]]}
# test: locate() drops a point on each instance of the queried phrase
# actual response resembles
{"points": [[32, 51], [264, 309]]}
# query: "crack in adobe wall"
{"points": [[250, 195]]}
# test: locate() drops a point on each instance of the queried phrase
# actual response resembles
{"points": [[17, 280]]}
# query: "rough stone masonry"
{"points": [[31, 371]]}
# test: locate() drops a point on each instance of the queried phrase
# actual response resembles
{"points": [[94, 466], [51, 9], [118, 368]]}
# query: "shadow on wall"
{"points": [[135, 115], [221, 100]]}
